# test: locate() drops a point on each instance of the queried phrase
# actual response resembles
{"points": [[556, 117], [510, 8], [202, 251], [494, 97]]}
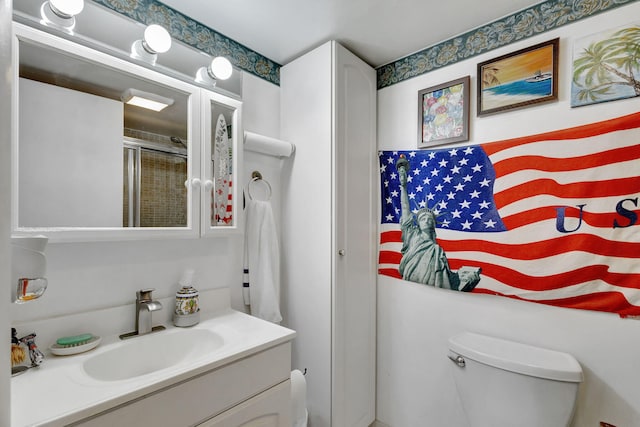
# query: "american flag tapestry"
{"points": [[552, 218]]}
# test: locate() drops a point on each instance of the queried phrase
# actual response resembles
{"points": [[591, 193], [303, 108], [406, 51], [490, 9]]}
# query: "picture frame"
{"points": [[443, 113], [519, 79], [600, 78]]}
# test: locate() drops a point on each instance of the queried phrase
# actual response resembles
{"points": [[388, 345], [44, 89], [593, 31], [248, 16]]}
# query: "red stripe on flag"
{"points": [[549, 164], [389, 257], [545, 248], [391, 236], [585, 131], [600, 301], [553, 281], [577, 190]]}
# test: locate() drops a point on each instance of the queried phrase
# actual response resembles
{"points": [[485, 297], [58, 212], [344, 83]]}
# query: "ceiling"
{"points": [[378, 31]]}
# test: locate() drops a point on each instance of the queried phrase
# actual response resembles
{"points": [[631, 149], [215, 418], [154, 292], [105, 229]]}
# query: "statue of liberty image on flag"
{"points": [[550, 218]]}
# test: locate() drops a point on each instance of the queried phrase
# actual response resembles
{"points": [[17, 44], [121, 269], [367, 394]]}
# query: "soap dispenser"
{"points": [[28, 268], [187, 311]]}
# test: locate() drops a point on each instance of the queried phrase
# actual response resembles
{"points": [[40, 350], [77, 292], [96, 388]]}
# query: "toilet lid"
{"points": [[516, 357]]}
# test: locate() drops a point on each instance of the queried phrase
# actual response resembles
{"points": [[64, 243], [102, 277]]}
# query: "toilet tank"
{"points": [[505, 383]]}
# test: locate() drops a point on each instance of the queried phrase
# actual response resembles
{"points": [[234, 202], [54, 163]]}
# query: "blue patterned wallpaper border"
{"points": [[197, 35], [529, 22]]}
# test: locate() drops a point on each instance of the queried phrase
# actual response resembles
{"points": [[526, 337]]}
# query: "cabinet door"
{"points": [[354, 231], [328, 100], [271, 408], [222, 151]]}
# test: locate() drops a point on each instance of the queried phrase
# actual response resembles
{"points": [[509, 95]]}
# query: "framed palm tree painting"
{"points": [[606, 66]]}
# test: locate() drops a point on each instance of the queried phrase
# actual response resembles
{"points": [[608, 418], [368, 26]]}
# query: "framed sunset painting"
{"points": [[519, 79]]}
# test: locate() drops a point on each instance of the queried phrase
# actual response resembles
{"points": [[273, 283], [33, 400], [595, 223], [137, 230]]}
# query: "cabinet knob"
{"points": [[194, 183], [208, 184], [342, 252]]}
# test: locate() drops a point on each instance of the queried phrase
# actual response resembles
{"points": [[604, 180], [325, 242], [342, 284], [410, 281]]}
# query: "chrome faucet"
{"points": [[145, 306]]}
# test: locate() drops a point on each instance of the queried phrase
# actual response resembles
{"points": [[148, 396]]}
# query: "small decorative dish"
{"points": [[67, 350]]}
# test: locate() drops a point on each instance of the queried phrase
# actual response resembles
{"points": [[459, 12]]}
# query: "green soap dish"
{"points": [[74, 340], [66, 346]]}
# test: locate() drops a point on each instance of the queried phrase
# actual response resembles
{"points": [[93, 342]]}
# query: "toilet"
{"points": [[504, 383]]}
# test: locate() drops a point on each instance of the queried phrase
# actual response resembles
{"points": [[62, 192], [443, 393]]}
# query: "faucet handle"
{"points": [[145, 294]]}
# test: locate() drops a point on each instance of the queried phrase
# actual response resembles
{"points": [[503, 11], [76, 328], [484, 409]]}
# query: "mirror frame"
{"points": [[195, 133]]}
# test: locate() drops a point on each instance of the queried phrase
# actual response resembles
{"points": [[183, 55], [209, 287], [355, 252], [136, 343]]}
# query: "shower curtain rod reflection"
{"points": [[153, 146]]}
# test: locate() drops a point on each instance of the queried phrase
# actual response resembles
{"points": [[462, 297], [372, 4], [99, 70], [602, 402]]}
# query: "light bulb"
{"points": [[157, 38], [66, 8], [221, 68]]}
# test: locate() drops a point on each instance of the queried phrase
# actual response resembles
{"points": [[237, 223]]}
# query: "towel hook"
{"points": [[255, 177]]}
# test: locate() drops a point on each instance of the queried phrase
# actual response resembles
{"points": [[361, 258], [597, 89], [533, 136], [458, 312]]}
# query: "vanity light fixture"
{"points": [[61, 13], [156, 40], [219, 69], [146, 100]]}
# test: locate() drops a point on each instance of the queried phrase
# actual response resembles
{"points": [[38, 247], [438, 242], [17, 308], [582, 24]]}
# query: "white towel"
{"points": [[262, 258]]}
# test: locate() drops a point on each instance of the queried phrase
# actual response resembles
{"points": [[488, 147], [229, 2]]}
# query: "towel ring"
{"points": [[255, 177]]}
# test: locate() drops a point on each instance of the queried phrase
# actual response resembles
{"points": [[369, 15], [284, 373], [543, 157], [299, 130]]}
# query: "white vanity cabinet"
{"points": [[254, 391]]}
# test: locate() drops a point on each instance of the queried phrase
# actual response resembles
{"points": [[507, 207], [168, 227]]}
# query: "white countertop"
{"points": [[59, 392]]}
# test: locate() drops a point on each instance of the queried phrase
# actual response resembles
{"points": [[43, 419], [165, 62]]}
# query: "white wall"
{"points": [[415, 383], [5, 203], [86, 276], [261, 112]]}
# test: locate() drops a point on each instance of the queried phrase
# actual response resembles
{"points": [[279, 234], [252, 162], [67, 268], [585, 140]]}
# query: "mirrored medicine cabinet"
{"points": [[87, 165]]}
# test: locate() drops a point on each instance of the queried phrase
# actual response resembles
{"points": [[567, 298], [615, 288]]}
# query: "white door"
{"points": [[354, 292]]}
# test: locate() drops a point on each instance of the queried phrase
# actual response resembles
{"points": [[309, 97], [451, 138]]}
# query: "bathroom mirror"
{"points": [[87, 162]]}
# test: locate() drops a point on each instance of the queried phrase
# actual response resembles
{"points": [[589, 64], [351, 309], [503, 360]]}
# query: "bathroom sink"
{"points": [[121, 381], [150, 353]]}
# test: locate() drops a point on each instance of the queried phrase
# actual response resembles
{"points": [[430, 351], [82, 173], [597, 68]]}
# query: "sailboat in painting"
{"points": [[538, 77], [519, 79]]}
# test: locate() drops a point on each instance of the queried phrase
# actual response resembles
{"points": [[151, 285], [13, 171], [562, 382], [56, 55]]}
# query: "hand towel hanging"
{"points": [[262, 260]]}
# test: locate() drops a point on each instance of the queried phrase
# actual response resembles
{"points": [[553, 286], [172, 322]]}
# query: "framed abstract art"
{"points": [[443, 113]]}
